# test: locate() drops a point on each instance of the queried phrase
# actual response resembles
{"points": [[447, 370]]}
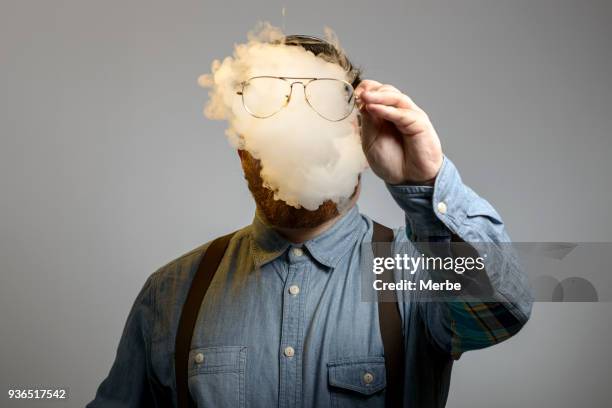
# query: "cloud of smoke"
{"points": [[305, 158]]}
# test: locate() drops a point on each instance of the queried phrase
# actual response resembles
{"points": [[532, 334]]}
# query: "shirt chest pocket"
{"points": [[357, 382], [217, 376]]}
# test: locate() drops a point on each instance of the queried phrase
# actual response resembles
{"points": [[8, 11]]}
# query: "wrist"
{"points": [[429, 182]]}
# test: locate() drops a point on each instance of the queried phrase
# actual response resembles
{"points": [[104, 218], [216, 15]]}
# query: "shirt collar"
{"points": [[327, 248]]}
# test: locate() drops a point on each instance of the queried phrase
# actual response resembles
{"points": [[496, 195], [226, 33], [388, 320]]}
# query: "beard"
{"points": [[277, 212]]}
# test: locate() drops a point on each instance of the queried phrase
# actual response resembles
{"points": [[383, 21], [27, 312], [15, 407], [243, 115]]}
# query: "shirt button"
{"points": [[199, 358], [297, 251], [442, 207], [368, 378], [294, 289], [289, 351]]}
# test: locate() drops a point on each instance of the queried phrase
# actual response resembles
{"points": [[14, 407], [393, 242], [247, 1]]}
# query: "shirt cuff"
{"points": [[433, 211]]}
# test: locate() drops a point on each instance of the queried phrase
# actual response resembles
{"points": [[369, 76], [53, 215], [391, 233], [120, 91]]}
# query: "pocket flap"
{"points": [[364, 375], [216, 359]]}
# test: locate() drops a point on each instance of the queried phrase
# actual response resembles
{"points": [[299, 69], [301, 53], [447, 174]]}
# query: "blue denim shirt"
{"points": [[284, 325]]}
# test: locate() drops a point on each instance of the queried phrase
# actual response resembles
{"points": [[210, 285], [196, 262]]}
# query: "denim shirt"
{"points": [[284, 325]]}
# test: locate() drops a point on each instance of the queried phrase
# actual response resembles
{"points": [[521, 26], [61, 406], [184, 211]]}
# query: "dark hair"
{"points": [[328, 52]]}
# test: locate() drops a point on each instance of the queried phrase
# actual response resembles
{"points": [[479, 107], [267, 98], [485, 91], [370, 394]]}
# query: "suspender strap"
{"points": [[390, 322], [189, 314]]}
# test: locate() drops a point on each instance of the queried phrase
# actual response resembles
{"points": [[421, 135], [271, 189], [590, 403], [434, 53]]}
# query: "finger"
{"points": [[404, 119], [387, 87], [400, 100], [367, 85], [386, 112], [391, 98]]}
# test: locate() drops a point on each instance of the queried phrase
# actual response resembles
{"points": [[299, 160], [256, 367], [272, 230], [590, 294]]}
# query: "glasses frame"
{"points": [[308, 80]]}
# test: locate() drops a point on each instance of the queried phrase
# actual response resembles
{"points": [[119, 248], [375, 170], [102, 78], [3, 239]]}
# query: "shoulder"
{"points": [[176, 268], [399, 232], [166, 289], [181, 269]]}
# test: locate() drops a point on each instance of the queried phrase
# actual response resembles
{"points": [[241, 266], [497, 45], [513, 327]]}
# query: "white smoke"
{"points": [[305, 158]]}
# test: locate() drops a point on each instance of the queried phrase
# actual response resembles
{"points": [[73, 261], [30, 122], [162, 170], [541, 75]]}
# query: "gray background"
{"points": [[108, 169]]}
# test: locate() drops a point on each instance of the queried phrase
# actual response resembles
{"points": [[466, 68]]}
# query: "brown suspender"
{"points": [[199, 285], [388, 313], [390, 322]]}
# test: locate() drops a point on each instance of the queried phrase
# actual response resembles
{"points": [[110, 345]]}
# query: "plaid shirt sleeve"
{"points": [[451, 211], [478, 325]]}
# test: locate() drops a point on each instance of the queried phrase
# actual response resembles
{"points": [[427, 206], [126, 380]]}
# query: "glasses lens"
{"points": [[263, 96], [331, 98]]}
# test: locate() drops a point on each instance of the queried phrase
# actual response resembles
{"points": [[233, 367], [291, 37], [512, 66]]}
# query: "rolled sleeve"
{"points": [[434, 211], [449, 211]]}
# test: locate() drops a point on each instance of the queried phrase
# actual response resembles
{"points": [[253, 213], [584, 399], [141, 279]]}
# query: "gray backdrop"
{"points": [[108, 169]]}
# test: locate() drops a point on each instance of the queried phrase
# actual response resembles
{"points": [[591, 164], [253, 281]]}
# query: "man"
{"points": [[283, 322]]}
